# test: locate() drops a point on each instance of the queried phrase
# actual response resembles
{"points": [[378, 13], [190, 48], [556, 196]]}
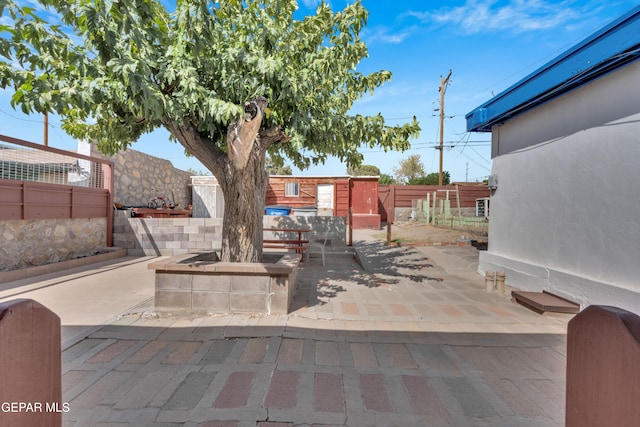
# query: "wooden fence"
{"points": [[36, 200], [401, 196], [38, 182]]}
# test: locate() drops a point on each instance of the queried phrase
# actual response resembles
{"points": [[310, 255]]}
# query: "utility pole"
{"points": [[46, 129], [443, 88]]}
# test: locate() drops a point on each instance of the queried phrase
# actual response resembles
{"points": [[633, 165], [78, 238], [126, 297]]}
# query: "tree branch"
{"points": [[242, 134], [269, 136], [206, 151]]}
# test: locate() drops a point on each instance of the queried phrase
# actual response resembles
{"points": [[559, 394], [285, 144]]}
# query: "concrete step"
{"points": [[544, 301]]}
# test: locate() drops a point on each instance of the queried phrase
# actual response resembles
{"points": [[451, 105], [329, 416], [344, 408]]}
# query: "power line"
{"points": [[19, 118], [448, 116], [476, 163], [480, 155], [478, 142], [433, 144], [465, 143]]}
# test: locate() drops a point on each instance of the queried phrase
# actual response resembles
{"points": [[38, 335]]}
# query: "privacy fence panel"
{"points": [[45, 183], [35, 200]]}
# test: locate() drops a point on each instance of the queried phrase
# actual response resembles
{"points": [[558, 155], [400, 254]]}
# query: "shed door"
{"points": [[325, 199]]}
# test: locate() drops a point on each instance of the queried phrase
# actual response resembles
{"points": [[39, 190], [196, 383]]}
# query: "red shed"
{"points": [[331, 195], [363, 200]]}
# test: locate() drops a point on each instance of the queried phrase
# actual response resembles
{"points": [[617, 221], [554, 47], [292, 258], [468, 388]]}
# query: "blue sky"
{"points": [[488, 45]]}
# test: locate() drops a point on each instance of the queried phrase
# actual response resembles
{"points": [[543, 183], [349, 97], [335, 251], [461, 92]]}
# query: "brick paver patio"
{"points": [[403, 342]]}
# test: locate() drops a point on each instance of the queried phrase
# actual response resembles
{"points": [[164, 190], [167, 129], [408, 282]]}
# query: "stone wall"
{"points": [[28, 243], [138, 177]]}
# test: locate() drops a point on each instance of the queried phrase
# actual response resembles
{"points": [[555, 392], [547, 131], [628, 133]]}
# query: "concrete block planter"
{"points": [[196, 283]]}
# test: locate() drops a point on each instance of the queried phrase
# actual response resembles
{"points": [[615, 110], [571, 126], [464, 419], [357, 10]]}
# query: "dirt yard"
{"points": [[415, 232]]}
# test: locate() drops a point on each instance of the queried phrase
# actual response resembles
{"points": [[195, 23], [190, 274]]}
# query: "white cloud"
{"points": [[311, 4], [385, 35], [34, 4], [516, 16], [47, 13]]}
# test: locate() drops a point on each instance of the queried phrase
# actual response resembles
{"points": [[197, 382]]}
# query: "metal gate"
{"points": [[386, 202]]}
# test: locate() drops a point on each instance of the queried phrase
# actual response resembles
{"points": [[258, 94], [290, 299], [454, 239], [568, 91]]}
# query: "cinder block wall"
{"points": [[336, 226], [165, 236], [174, 236]]}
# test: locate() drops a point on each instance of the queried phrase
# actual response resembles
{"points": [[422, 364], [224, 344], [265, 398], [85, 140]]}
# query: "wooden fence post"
{"points": [[350, 226], [30, 365], [392, 197], [107, 173]]}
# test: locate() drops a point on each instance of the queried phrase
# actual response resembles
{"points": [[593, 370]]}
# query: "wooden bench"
{"points": [[298, 244]]}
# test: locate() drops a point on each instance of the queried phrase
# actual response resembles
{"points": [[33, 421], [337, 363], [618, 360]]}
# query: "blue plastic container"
{"points": [[277, 210]]}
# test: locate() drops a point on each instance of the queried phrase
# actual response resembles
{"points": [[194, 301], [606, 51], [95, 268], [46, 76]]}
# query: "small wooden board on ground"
{"points": [[544, 301]]}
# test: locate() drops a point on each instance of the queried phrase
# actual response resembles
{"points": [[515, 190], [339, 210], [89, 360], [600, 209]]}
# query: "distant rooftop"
{"points": [[613, 46]]}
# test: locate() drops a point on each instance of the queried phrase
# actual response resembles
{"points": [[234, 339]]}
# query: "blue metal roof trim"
{"points": [[613, 46]]}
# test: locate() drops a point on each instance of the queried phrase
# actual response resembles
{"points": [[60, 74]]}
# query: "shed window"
{"points": [[291, 189]]}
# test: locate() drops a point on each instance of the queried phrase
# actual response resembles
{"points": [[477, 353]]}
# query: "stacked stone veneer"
{"points": [[194, 284], [165, 236], [27, 243], [138, 177]]}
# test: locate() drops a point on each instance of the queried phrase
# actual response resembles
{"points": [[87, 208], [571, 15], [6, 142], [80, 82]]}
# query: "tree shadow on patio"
{"points": [[395, 264], [374, 266]]}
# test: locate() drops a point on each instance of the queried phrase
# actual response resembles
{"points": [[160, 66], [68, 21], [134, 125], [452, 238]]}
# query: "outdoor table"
{"points": [[299, 244]]}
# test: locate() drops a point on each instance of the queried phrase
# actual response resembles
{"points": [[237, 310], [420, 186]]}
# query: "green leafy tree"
{"points": [[194, 172], [421, 180], [275, 166], [364, 170], [386, 179], [409, 168], [431, 179], [230, 80]]}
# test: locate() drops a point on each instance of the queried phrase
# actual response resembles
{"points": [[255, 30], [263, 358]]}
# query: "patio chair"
{"points": [[318, 243]]}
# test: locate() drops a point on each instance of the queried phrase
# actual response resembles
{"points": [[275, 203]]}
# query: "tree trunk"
{"points": [[241, 175], [244, 194]]}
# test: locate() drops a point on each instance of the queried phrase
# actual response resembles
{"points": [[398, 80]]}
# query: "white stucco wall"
{"points": [[566, 214]]}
